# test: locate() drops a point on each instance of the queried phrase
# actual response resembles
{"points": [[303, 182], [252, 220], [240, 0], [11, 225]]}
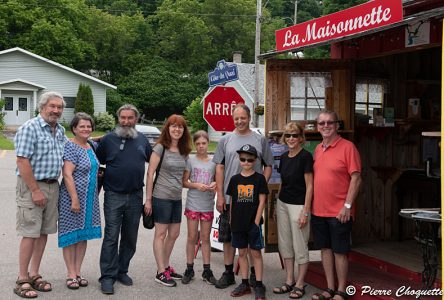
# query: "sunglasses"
{"points": [[293, 135], [322, 123], [122, 146], [250, 160]]}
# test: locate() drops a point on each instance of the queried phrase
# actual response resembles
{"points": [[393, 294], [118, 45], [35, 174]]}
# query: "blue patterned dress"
{"points": [[84, 225]]}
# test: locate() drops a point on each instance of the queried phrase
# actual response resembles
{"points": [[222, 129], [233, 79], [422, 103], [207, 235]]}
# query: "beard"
{"points": [[126, 132]]}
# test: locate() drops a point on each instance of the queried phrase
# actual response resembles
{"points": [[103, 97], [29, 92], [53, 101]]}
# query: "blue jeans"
{"points": [[122, 215]]}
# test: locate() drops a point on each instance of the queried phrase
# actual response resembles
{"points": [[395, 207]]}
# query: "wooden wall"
{"points": [[277, 89], [385, 152], [388, 152]]}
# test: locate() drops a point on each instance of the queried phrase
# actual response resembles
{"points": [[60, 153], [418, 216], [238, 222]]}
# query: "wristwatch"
{"points": [[347, 205]]}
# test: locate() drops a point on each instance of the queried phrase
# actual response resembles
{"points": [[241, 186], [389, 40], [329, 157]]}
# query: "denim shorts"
{"points": [[252, 238], [167, 211]]}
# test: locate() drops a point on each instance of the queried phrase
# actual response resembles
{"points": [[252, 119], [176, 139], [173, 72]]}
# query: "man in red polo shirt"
{"points": [[337, 178]]}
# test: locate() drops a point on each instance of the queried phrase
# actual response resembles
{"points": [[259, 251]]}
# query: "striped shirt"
{"points": [[35, 141]]}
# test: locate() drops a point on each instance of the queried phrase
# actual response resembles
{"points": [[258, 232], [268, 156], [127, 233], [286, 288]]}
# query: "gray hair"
{"points": [[81, 116], [128, 107], [45, 97], [329, 112], [244, 107]]}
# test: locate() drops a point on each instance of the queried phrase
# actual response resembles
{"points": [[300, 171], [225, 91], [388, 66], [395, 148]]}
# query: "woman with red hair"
{"points": [[164, 193]]}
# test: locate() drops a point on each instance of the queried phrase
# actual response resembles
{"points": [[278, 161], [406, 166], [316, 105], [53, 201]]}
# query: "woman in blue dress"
{"points": [[79, 215]]}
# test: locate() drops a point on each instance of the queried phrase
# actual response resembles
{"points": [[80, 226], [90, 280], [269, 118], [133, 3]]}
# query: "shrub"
{"points": [[84, 101], [2, 114], [194, 115], [105, 121]]}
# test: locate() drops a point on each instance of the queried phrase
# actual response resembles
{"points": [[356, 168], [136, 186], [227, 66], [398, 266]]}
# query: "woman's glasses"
{"points": [[293, 135], [329, 123], [250, 160], [122, 146]]}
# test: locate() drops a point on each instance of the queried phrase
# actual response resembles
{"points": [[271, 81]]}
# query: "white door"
{"points": [[16, 109]]}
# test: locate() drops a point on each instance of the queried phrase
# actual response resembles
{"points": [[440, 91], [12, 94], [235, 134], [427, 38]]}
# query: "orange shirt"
{"points": [[332, 168]]}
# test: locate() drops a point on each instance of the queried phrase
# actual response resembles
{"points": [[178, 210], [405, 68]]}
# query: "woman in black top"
{"points": [[293, 209]]}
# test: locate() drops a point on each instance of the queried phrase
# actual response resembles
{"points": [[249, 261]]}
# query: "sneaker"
{"points": [[252, 279], [225, 280], [208, 277], [173, 273], [107, 287], [240, 290], [124, 279], [165, 279], [188, 276], [259, 292]]}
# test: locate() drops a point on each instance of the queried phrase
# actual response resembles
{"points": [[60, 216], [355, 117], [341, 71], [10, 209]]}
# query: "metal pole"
{"points": [[257, 52]]}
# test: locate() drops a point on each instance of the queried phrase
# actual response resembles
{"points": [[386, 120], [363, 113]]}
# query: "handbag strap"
{"points": [[158, 166], [93, 146]]}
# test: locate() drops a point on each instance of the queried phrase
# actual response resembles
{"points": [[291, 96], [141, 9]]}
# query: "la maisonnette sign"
{"points": [[356, 19]]}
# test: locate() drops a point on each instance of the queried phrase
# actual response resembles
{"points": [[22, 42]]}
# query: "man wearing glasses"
{"points": [[227, 165], [124, 151], [337, 178]]}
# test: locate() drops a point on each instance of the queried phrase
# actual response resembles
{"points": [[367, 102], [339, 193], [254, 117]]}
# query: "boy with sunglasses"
{"points": [[248, 192]]}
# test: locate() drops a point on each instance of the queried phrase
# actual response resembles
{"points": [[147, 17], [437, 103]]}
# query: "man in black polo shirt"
{"points": [[124, 152]]}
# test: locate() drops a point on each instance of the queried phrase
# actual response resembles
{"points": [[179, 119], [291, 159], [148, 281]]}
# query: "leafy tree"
{"points": [[159, 90], [194, 115], [331, 6], [51, 28], [84, 101], [113, 101], [105, 121]]}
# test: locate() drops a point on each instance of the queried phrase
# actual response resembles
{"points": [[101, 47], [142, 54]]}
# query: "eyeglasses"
{"points": [[329, 123], [176, 126], [122, 146], [293, 135], [250, 160]]}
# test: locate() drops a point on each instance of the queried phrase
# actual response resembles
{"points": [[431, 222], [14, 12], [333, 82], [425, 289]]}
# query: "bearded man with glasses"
{"points": [[124, 151], [337, 178]]}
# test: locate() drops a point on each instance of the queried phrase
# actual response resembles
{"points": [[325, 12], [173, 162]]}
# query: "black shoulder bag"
{"points": [[148, 221], [101, 172]]}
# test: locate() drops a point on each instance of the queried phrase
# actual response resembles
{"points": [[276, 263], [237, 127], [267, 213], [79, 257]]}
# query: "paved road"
{"points": [[142, 268]]}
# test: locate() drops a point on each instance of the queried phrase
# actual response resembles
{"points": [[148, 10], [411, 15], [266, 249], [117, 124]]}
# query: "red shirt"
{"points": [[333, 167]]}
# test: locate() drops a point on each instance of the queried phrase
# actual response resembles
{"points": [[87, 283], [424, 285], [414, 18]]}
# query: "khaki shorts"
{"points": [[32, 220]]}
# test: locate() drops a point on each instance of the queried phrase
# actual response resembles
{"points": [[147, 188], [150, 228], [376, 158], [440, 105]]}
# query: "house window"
{"points": [[9, 104], [307, 94], [369, 95], [70, 101]]}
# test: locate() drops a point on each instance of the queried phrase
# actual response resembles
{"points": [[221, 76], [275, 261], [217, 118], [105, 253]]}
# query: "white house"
{"points": [[245, 86], [24, 76]]}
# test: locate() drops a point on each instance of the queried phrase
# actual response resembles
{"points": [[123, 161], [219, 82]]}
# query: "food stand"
{"points": [[386, 84]]}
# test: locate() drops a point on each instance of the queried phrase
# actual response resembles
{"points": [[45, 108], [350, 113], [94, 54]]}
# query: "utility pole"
{"points": [[257, 52], [295, 12]]}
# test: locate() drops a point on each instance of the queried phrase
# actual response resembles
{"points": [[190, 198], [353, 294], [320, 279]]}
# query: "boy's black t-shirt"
{"points": [[244, 192], [292, 170]]}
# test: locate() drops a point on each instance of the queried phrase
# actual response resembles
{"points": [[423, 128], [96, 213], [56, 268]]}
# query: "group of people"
{"points": [[321, 190]]}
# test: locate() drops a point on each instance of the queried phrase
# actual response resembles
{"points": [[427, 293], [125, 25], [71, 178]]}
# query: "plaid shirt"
{"points": [[35, 141]]}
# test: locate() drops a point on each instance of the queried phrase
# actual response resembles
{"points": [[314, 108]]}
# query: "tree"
{"points": [[194, 115], [160, 90], [84, 101], [331, 6]]}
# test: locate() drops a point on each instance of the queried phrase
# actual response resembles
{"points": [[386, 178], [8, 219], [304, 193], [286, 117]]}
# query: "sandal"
{"points": [[341, 294], [40, 285], [72, 283], [285, 288], [22, 291], [82, 281], [320, 296], [297, 293]]}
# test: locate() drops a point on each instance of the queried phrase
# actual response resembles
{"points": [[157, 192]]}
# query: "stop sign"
{"points": [[218, 105]]}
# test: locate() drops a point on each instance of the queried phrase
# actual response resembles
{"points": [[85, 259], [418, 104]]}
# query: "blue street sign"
{"points": [[223, 73]]}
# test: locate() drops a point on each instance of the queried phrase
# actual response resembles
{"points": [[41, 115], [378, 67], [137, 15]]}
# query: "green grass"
{"points": [[6, 144], [94, 134]]}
